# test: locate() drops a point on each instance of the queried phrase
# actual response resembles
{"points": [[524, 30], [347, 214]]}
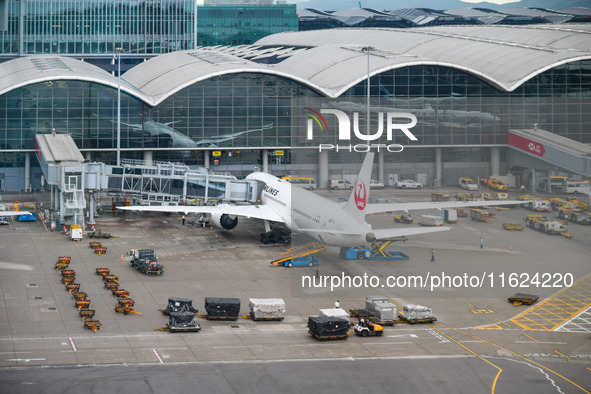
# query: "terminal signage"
{"points": [[527, 145], [216, 153]]}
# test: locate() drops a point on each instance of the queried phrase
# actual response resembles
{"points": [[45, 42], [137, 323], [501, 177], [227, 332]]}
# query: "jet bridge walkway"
{"points": [[299, 251], [551, 148]]}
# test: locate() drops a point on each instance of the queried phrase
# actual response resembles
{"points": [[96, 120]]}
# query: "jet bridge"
{"points": [[547, 153], [64, 170], [174, 183]]}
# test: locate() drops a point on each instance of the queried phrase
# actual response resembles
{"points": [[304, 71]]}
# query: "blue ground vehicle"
{"points": [[27, 218], [305, 261], [376, 252]]}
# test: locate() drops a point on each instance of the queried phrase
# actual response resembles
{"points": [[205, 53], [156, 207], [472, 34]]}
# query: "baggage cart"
{"points": [[111, 286], [72, 287], [79, 295], [68, 279], [93, 325], [94, 244], [100, 250], [523, 298], [68, 273], [120, 293], [86, 313], [103, 271], [82, 304], [512, 226], [125, 309]]}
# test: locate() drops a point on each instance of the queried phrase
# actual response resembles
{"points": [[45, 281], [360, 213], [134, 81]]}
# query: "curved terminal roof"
{"points": [[34, 69], [332, 61]]}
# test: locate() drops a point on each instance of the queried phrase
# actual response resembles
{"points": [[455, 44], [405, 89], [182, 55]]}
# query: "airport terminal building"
{"points": [[271, 104]]}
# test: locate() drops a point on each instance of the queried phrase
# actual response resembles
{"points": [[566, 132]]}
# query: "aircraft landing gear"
{"points": [[268, 238]]}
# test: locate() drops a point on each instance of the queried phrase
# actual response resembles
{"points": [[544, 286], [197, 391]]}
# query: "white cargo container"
{"points": [[335, 312], [385, 311], [431, 220], [450, 215], [267, 308], [76, 232]]}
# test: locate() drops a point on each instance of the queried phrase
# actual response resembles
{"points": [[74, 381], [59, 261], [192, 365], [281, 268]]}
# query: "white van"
{"points": [[468, 184], [340, 184]]}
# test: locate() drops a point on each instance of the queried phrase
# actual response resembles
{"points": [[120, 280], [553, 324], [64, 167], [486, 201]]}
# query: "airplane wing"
{"points": [[263, 212], [409, 206], [403, 232], [14, 213]]}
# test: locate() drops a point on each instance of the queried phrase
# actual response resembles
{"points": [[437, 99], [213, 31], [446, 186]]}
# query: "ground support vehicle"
{"points": [[120, 293], [266, 309], [146, 261], [4, 220], [328, 328], [300, 251], [512, 226], [100, 250], [221, 308], [361, 313], [32, 217], [86, 313], [416, 314], [181, 322], [103, 271], [450, 215], [408, 184], [76, 232], [82, 304], [305, 261], [556, 203], [94, 244], [150, 267], [125, 309], [495, 184], [479, 215], [111, 278], [468, 184], [535, 203], [574, 215], [583, 205], [469, 197], [79, 295], [439, 197], [126, 301], [376, 252], [522, 298], [403, 218], [72, 287], [367, 329], [93, 325], [62, 263], [541, 223], [100, 234]]}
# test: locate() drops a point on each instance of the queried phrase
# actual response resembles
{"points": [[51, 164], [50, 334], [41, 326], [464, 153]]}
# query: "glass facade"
{"points": [[252, 110], [97, 26], [238, 24], [455, 108], [139, 27]]}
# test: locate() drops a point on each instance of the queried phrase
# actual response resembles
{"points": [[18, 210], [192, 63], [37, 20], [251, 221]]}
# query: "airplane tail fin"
{"points": [[360, 194]]}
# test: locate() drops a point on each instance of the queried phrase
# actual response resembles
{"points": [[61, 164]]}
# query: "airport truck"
{"points": [[574, 215], [543, 224]]}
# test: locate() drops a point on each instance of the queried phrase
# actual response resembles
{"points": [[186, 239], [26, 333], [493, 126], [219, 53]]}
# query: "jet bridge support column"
{"points": [[438, 168], [265, 160], [381, 166], [27, 172], [148, 158], [495, 160], [206, 159], [323, 170]]}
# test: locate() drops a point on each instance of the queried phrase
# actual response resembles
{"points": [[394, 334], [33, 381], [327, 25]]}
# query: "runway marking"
{"points": [[533, 339], [25, 360], [557, 310], [489, 327], [516, 354], [157, 356], [402, 335], [567, 357], [477, 355], [72, 344], [544, 343], [387, 343]]}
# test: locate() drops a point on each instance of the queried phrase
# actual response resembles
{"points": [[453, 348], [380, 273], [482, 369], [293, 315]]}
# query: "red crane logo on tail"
{"points": [[360, 195]]}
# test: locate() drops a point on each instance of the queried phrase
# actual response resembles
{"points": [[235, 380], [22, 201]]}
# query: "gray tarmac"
{"points": [[480, 342]]}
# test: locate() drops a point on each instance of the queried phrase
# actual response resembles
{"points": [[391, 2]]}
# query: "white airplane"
{"points": [[14, 213], [302, 211]]}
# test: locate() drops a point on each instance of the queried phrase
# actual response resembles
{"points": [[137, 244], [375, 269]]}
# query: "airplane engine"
{"points": [[224, 221]]}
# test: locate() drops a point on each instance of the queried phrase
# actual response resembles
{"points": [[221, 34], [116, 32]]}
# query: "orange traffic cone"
{"points": [[211, 228], [121, 256], [216, 235], [511, 247]]}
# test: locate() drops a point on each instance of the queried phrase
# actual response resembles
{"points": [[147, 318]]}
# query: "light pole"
{"points": [[118, 54], [367, 50]]}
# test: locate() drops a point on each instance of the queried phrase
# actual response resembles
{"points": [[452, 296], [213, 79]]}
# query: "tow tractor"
{"points": [[368, 329], [377, 251], [403, 218]]}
